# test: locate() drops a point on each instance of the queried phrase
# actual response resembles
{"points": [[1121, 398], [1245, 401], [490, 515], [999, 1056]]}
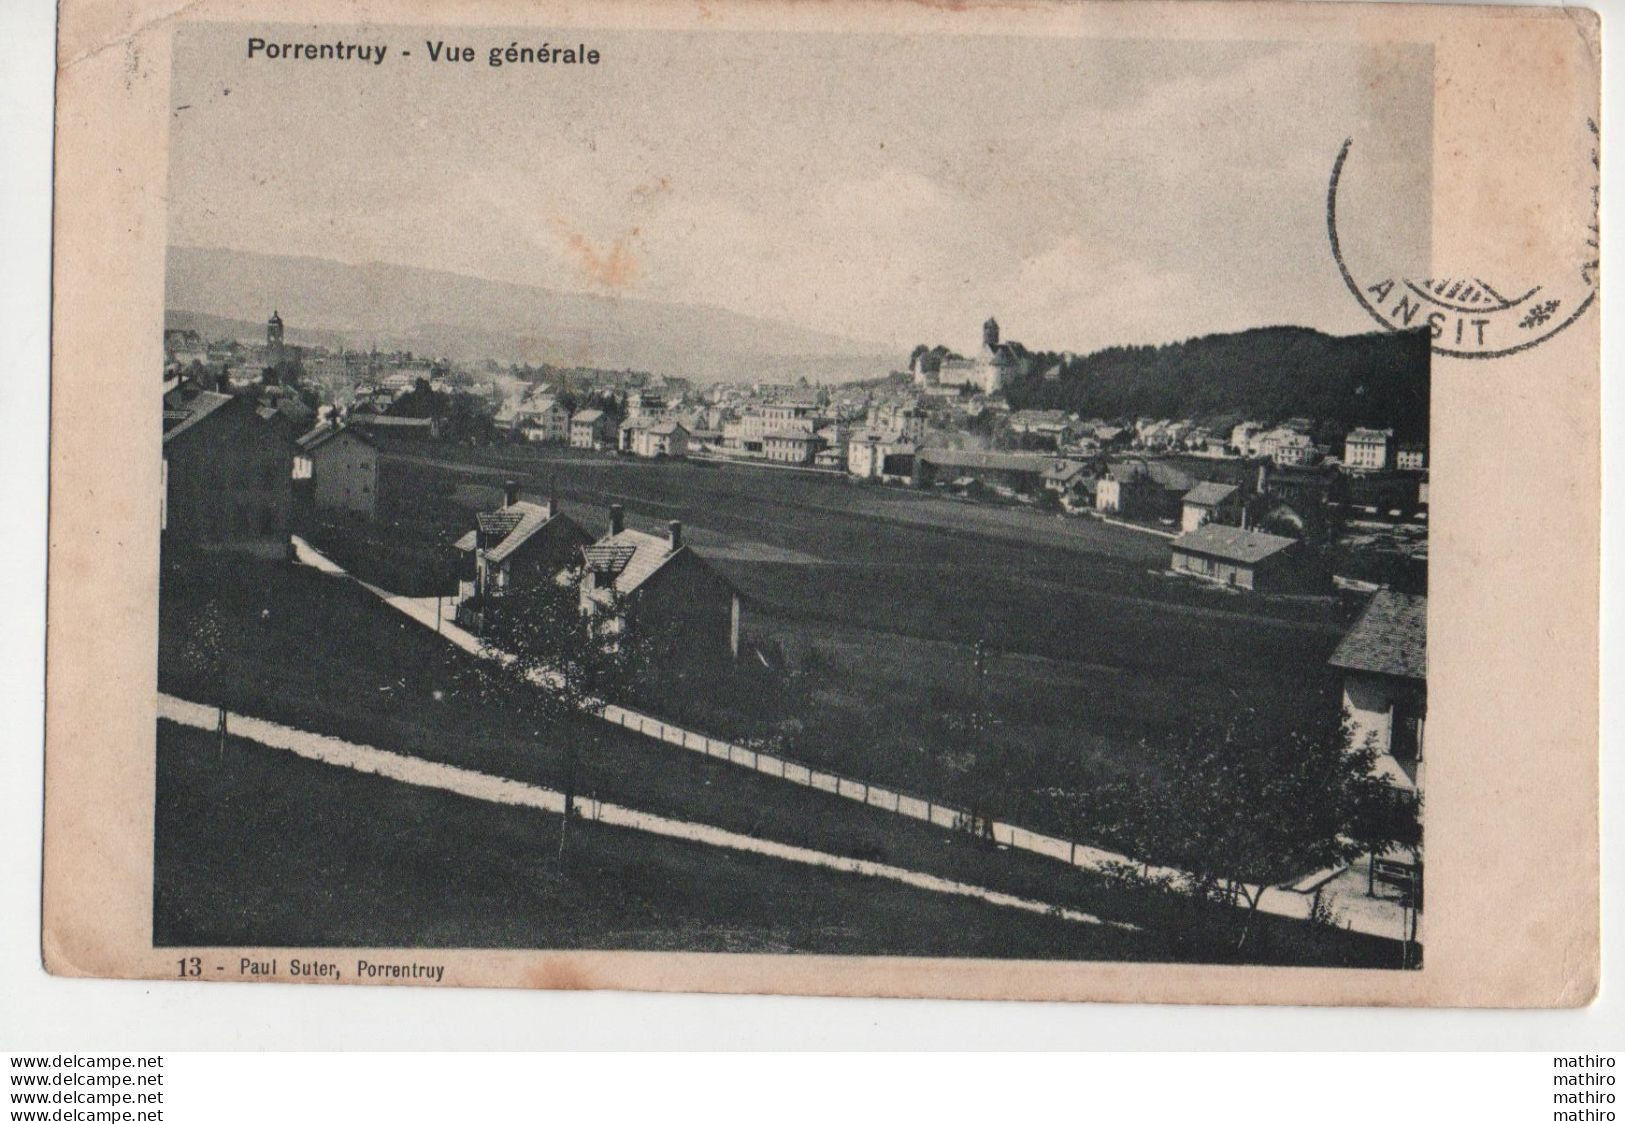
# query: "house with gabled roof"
{"points": [[520, 542], [341, 465], [662, 439], [1210, 502], [682, 605], [1242, 559], [1126, 489], [1383, 659], [591, 429], [628, 432], [543, 418]]}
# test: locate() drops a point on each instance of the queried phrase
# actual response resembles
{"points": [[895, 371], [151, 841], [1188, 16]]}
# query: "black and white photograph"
{"points": [[930, 497]]}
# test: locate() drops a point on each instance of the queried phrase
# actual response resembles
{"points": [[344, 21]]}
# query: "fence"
{"points": [[1080, 855], [886, 799], [773, 765]]}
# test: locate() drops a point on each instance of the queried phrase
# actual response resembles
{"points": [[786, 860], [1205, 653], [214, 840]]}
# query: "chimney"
{"points": [[676, 536], [617, 519], [510, 493]]}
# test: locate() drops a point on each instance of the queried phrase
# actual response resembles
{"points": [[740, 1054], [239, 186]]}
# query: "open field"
{"points": [[870, 601], [322, 654]]}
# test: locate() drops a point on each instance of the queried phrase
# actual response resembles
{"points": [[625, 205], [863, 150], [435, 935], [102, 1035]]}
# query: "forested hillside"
{"points": [[1265, 374]]}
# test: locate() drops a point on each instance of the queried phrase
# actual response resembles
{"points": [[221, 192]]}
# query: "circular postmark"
{"points": [[1467, 315]]}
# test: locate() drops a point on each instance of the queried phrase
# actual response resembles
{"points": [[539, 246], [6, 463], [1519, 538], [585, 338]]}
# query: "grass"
{"points": [[257, 847], [873, 598], [322, 654]]}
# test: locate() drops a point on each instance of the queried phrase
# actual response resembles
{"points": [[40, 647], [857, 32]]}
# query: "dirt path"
{"points": [[1376, 919], [501, 790]]}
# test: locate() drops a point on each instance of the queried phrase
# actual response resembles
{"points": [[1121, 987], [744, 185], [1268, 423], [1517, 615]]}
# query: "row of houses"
{"points": [[681, 601], [1287, 443], [545, 418]]}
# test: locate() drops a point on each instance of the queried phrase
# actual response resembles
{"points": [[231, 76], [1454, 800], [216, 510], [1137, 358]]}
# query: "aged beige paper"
{"points": [[551, 496]]}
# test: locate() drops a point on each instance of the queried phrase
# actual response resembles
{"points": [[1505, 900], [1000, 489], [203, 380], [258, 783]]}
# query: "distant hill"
{"points": [[1265, 374], [431, 312]]}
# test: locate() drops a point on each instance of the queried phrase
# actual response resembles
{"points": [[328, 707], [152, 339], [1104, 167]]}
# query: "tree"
{"points": [[978, 777], [553, 666], [1241, 807]]}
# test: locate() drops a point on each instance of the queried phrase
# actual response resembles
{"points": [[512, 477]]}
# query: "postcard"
{"points": [[1085, 501]]}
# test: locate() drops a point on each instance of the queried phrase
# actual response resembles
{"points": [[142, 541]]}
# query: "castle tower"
{"points": [[990, 334], [273, 333]]}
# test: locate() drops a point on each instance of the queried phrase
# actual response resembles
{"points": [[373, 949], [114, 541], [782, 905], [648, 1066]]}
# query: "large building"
{"points": [[791, 448], [1012, 472], [1411, 457], [1002, 361], [1284, 445], [1368, 449], [1385, 697], [681, 604], [227, 477], [998, 363]]}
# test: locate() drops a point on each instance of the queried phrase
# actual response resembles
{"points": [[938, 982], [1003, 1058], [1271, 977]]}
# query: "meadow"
{"points": [[870, 603]]}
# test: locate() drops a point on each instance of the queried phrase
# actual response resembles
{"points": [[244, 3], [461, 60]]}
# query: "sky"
{"points": [[890, 190]]}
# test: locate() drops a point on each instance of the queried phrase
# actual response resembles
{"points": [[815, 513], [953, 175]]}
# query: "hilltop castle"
{"points": [[997, 364]]}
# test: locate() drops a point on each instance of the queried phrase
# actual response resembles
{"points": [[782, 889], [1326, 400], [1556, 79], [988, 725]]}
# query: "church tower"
{"points": [[273, 333], [990, 334]]}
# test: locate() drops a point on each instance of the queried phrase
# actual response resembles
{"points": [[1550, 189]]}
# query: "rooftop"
{"points": [[1210, 494], [628, 558], [973, 458], [324, 433], [183, 415], [1232, 544], [507, 528], [1390, 638], [391, 420]]}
